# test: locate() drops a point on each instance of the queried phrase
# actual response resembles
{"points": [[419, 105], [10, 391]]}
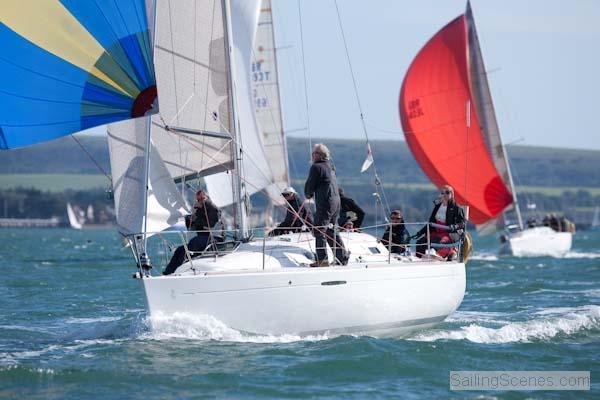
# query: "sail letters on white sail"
{"points": [[267, 104]]}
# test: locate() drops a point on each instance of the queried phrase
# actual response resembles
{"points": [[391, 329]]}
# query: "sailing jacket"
{"points": [[349, 205], [454, 216], [295, 208], [399, 237], [204, 218], [322, 185]]}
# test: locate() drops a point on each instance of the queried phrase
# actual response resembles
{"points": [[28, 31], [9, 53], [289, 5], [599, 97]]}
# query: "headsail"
{"points": [[436, 92], [165, 205], [71, 65]]}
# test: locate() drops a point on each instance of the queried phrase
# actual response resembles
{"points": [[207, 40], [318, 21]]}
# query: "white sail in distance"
{"points": [[267, 103]]}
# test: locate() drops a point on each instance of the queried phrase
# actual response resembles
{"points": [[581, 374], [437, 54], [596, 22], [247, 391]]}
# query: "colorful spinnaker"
{"points": [[70, 65], [449, 123]]}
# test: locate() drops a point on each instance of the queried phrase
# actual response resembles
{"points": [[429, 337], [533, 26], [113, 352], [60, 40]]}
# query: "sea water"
{"points": [[73, 325]]}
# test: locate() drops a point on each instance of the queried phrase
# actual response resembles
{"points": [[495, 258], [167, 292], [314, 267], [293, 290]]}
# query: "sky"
{"points": [[542, 58]]}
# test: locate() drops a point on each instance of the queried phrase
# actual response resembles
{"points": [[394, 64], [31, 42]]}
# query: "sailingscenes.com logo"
{"points": [[519, 380]]}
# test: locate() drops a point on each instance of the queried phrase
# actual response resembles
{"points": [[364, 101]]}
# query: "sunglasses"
{"points": [[445, 192]]}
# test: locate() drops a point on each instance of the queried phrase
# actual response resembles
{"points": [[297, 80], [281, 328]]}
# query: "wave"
{"points": [[578, 254], [74, 320], [187, 326], [484, 257], [553, 322]]}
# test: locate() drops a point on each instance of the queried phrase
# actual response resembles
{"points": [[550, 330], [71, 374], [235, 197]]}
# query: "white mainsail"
{"points": [[190, 135], [254, 166], [192, 130]]}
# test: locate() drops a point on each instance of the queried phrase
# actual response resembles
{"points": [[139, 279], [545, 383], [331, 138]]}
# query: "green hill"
{"points": [[532, 166], [557, 180]]}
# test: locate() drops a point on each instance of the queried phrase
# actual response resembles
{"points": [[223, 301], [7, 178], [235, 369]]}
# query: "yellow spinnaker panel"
{"points": [[49, 25]]}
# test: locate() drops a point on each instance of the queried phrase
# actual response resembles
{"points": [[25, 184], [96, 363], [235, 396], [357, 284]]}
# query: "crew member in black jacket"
{"points": [[445, 212], [322, 185], [205, 217], [347, 206], [296, 216], [399, 235]]}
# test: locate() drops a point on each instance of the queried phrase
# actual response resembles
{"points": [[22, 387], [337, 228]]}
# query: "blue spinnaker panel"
{"points": [[70, 65]]}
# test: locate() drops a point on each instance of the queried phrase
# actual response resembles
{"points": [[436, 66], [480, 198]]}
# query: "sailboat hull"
{"points": [[538, 242], [379, 300]]}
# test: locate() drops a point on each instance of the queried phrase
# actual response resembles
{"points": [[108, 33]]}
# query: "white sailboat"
{"points": [[596, 219], [264, 286], [173, 80], [445, 98], [73, 220]]}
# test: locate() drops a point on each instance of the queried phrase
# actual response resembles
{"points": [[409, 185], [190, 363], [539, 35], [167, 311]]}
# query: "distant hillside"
{"points": [[60, 156], [532, 166]]}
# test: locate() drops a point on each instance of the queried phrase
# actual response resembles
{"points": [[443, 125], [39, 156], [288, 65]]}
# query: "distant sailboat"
{"points": [[450, 125], [596, 219], [73, 220]]}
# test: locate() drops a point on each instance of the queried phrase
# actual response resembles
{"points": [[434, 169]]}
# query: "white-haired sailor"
{"points": [[322, 185]]}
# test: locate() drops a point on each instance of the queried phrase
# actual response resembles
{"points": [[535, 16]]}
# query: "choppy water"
{"points": [[72, 325]]}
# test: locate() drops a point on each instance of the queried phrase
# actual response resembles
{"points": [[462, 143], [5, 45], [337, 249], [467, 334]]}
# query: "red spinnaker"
{"points": [[433, 110]]}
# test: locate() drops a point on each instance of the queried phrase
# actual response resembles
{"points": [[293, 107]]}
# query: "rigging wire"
{"points": [[93, 159], [305, 80], [378, 184]]}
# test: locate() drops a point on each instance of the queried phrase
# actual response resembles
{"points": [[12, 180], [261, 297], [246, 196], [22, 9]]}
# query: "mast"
{"points": [[236, 178], [487, 112], [152, 5]]}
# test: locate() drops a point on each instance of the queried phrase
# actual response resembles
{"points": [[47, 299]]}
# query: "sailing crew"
{"points": [[297, 214], [205, 216], [445, 212], [398, 238], [351, 215], [322, 185]]}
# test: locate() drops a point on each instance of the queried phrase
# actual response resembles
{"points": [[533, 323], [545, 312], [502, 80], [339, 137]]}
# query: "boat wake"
{"points": [[547, 324], [187, 326], [577, 254]]}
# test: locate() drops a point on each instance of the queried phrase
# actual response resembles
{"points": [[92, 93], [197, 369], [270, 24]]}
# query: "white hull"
{"points": [[537, 242], [372, 298]]}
